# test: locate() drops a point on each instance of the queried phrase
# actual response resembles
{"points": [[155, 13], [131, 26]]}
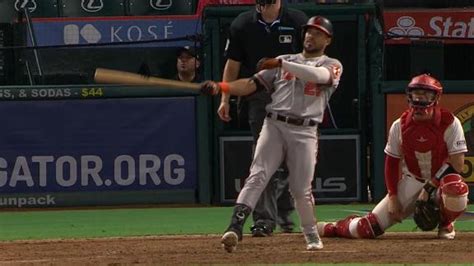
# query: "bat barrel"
{"points": [[110, 76]]}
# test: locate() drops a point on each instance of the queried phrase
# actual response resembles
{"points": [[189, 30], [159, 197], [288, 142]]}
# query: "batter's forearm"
{"points": [[242, 87], [318, 75]]}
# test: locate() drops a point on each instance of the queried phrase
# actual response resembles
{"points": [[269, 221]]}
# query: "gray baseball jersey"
{"points": [[298, 98]]}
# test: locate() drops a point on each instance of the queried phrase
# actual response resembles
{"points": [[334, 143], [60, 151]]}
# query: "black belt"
{"points": [[292, 120]]}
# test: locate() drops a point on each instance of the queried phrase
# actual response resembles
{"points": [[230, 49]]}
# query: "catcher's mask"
{"points": [[427, 85]]}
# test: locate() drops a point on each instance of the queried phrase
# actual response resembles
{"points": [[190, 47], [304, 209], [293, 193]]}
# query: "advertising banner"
{"points": [[462, 105], [116, 30], [68, 146], [330, 183], [85, 92], [453, 25]]}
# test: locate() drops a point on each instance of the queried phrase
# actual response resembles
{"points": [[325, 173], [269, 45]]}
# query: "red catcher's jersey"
{"points": [[423, 145]]}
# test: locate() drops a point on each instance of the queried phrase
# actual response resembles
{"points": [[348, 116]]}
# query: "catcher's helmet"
{"points": [[424, 82], [321, 23]]}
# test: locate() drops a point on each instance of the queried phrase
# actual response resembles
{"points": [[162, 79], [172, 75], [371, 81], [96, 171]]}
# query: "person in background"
{"points": [[187, 65]]}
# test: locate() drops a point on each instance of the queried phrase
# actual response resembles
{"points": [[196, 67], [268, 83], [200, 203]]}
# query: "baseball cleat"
{"points": [[313, 242], [229, 241], [447, 232]]}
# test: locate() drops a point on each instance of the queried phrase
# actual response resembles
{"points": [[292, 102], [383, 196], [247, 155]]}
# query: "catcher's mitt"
{"points": [[426, 215]]}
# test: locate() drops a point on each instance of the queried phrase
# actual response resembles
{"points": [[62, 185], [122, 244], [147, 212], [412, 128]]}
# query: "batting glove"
{"points": [[209, 87]]}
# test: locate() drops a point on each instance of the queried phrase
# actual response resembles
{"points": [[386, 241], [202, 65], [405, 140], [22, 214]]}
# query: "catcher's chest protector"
{"points": [[423, 145]]}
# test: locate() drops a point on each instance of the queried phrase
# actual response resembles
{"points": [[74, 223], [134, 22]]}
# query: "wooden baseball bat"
{"points": [[104, 75]]}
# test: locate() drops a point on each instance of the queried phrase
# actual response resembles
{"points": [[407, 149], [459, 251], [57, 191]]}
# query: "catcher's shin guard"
{"points": [[365, 227], [342, 226], [453, 194], [368, 227], [239, 216]]}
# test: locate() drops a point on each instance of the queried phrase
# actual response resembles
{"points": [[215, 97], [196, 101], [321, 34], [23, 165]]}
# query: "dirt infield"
{"points": [[280, 248]]}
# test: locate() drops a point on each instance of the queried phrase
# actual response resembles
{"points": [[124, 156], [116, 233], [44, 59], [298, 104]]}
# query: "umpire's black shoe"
{"points": [[261, 230]]}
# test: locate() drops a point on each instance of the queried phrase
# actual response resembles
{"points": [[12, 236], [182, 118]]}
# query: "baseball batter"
{"points": [[301, 85], [428, 143], [268, 30]]}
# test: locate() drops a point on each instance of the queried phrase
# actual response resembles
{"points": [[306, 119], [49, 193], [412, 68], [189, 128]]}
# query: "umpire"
{"points": [[268, 30]]}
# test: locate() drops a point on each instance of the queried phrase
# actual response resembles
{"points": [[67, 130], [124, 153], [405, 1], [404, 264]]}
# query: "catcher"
{"points": [[427, 143]]}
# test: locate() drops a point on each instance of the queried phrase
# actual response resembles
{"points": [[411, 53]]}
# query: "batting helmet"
{"points": [[321, 23], [424, 82]]}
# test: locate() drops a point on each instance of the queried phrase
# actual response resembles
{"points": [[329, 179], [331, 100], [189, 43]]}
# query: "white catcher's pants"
{"points": [[408, 191], [297, 145]]}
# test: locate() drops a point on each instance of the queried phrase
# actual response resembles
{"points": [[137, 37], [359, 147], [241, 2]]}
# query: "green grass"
{"points": [[370, 264], [53, 224]]}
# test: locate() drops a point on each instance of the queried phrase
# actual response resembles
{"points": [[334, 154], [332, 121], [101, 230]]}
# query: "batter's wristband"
{"points": [[224, 87]]}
